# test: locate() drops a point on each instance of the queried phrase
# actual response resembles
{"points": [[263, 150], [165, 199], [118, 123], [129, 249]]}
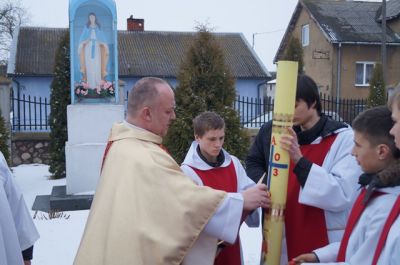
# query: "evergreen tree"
{"points": [[4, 138], [205, 83], [294, 52], [377, 93], [59, 100]]}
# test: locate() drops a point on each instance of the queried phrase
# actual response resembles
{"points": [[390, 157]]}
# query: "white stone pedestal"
{"points": [[88, 130]]}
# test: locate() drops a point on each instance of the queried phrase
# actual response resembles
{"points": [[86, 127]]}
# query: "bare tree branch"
{"points": [[12, 15]]}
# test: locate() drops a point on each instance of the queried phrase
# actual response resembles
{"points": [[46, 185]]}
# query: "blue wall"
{"points": [[244, 87], [249, 90], [130, 82], [40, 87], [31, 116], [34, 86]]}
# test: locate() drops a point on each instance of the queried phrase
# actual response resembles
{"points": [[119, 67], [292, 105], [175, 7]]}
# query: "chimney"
{"points": [[135, 24]]}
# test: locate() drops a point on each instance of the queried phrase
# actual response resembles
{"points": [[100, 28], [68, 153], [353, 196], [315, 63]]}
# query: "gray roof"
{"points": [[147, 53], [349, 21], [392, 10]]}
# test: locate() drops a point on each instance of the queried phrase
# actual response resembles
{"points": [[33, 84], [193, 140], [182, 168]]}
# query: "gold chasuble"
{"points": [[145, 210]]}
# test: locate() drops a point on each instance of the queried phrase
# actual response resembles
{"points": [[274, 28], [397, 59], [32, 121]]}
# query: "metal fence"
{"points": [[29, 113], [255, 112], [32, 113]]}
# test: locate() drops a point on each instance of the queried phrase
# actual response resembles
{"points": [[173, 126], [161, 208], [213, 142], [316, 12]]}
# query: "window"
{"points": [[305, 35], [364, 73]]}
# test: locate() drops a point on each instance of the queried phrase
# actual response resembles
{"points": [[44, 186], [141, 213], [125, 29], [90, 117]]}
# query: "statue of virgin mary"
{"points": [[93, 53]]}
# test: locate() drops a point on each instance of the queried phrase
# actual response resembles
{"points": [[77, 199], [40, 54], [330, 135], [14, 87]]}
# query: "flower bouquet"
{"points": [[103, 90]]}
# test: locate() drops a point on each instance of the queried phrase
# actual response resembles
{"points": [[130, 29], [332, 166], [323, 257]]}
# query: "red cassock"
{"points": [[305, 225], [223, 178]]}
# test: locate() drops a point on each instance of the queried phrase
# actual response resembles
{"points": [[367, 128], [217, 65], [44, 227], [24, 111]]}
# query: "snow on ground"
{"points": [[60, 237]]}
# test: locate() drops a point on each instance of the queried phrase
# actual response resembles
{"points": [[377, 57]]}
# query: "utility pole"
{"points": [[383, 47]]}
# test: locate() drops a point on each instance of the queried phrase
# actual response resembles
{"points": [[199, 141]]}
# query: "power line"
{"points": [[265, 32]]}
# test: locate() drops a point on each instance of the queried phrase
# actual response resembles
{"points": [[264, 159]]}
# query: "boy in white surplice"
{"points": [[378, 157], [208, 164]]}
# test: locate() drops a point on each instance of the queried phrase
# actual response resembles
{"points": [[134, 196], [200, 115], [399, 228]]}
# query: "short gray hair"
{"points": [[143, 93]]}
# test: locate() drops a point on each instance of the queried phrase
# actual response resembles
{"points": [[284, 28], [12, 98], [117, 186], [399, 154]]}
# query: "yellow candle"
{"points": [[278, 171]]}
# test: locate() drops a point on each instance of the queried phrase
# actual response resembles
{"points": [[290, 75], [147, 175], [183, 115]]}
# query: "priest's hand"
{"points": [[256, 196], [290, 143], [308, 257]]}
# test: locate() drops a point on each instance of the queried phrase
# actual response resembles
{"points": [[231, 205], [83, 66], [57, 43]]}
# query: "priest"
{"points": [[145, 210]]}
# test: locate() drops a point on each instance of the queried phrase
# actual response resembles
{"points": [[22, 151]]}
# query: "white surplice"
{"points": [[204, 250], [332, 187], [364, 238], [18, 231]]}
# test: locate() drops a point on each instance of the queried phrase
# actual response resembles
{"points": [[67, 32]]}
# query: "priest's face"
{"points": [[211, 143], [395, 131], [163, 113], [367, 155]]}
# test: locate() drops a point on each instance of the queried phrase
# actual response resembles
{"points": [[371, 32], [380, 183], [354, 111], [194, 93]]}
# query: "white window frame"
{"points": [[364, 74], [305, 35]]}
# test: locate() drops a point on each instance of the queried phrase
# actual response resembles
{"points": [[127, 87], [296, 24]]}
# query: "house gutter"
{"points": [[259, 111], [18, 85], [338, 77], [18, 102], [259, 88], [365, 43]]}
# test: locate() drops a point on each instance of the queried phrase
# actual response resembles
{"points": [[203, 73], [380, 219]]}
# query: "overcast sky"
{"points": [[267, 17]]}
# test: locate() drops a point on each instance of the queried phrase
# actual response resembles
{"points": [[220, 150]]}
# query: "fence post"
{"points": [[5, 87], [5, 107], [121, 88]]}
